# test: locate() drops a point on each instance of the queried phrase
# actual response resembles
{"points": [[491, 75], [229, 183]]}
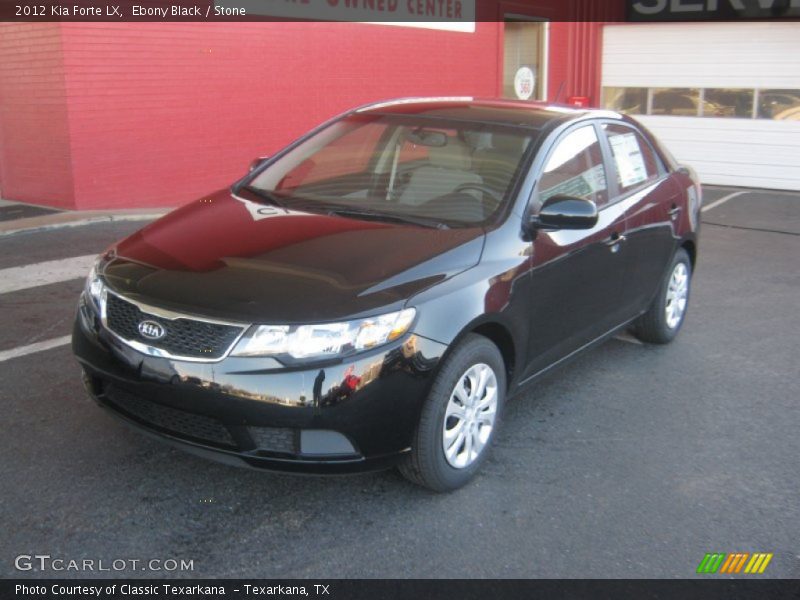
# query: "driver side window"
{"points": [[575, 168]]}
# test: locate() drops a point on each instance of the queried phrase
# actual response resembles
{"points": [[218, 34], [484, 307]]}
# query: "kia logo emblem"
{"points": [[152, 330]]}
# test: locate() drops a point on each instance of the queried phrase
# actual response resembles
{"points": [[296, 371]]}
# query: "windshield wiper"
{"points": [[379, 216], [270, 197]]}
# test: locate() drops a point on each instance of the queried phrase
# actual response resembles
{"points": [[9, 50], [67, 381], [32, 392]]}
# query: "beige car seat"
{"points": [[449, 167]]}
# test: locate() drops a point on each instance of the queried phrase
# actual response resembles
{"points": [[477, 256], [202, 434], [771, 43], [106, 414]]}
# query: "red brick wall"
{"points": [[163, 113], [577, 73], [106, 115], [35, 162]]}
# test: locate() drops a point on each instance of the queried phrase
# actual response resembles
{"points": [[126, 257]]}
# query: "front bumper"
{"points": [[343, 416]]}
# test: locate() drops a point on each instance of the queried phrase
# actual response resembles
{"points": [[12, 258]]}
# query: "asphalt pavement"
{"points": [[631, 461]]}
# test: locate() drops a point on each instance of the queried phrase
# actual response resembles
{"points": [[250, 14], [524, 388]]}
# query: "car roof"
{"points": [[532, 115]]}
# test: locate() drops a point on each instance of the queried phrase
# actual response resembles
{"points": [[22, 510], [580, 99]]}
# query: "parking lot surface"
{"points": [[631, 461]]}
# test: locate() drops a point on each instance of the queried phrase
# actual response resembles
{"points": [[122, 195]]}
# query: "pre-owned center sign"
{"points": [[711, 10]]}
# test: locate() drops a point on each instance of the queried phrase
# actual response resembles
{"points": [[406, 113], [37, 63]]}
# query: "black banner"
{"points": [[711, 10], [457, 12], [407, 11], [413, 589]]}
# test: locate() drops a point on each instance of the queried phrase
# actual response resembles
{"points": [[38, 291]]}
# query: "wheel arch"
{"points": [[499, 333], [501, 337], [691, 249]]}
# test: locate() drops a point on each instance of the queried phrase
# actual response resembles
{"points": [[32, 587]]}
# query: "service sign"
{"points": [[711, 10]]}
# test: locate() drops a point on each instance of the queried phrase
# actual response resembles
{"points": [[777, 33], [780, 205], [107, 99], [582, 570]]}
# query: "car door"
{"points": [[651, 201], [577, 275]]}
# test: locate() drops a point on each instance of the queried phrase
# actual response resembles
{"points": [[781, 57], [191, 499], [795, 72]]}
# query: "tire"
{"points": [[463, 411], [663, 320]]}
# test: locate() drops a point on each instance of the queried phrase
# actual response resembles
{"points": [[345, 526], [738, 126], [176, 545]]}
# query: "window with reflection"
{"points": [[575, 168], [682, 102], [348, 154], [630, 101], [776, 104], [728, 102], [780, 105]]}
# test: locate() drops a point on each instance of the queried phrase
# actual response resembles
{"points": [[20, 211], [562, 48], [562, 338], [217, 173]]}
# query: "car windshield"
{"points": [[421, 170]]}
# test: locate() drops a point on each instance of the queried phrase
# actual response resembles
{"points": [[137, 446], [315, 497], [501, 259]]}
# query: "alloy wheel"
{"points": [[470, 416], [677, 295]]}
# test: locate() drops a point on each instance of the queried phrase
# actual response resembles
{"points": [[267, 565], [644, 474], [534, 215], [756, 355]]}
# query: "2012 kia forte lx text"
{"points": [[371, 295]]}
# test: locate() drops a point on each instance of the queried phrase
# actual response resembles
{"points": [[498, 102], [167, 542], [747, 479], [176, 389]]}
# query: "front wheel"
{"points": [[662, 321], [459, 417]]}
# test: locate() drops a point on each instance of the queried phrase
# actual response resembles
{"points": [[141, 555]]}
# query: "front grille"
{"points": [[171, 420], [184, 336]]}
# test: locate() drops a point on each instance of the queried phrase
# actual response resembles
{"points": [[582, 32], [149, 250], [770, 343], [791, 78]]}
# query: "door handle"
{"points": [[674, 211], [615, 239]]}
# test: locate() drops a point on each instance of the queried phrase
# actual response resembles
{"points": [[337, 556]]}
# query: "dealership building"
{"points": [[142, 114]]}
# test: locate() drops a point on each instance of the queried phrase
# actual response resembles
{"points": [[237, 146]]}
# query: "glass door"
{"points": [[523, 59]]}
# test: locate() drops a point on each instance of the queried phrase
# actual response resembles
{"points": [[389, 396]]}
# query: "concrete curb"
{"points": [[75, 219]]}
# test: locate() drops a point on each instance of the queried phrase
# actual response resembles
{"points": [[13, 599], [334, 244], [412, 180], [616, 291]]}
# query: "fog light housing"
{"points": [[323, 442]]}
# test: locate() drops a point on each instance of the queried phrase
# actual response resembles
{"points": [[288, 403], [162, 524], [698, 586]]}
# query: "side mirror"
{"points": [[565, 212], [258, 162]]}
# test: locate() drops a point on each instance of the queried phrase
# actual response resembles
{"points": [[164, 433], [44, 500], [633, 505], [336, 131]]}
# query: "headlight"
{"points": [[94, 287], [324, 340]]}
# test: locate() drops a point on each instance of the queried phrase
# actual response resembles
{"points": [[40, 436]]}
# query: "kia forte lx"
{"points": [[372, 294]]}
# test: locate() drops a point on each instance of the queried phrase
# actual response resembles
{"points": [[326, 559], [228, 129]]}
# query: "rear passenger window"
{"points": [[634, 159], [575, 168]]}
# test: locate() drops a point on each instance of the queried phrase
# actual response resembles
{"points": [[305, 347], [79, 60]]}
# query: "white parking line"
{"points": [[44, 273], [722, 200], [31, 348]]}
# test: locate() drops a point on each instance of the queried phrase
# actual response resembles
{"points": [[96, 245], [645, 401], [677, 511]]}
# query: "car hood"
{"points": [[229, 257]]}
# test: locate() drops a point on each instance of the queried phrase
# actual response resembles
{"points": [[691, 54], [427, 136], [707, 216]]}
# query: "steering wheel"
{"points": [[485, 189]]}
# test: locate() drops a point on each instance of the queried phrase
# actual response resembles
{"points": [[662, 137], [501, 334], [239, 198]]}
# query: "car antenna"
{"points": [[558, 93]]}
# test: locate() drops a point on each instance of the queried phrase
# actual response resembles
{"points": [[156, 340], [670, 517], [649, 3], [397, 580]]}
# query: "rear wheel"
{"points": [[459, 417], [662, 321]]}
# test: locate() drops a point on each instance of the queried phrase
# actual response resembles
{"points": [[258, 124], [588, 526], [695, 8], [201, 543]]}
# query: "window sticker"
{"points": [[629, 159]]}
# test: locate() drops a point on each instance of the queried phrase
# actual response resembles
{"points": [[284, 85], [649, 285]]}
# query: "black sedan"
{"points": [[371, 295]]}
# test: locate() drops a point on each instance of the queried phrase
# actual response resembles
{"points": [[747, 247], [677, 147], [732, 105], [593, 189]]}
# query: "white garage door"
{"points": [[723, 97]]}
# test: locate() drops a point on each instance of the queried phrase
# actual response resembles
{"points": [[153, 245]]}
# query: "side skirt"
{"points": [[567, 358]]}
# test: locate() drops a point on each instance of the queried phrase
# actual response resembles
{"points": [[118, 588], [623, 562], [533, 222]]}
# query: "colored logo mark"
{"points": [[719, 562]]}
